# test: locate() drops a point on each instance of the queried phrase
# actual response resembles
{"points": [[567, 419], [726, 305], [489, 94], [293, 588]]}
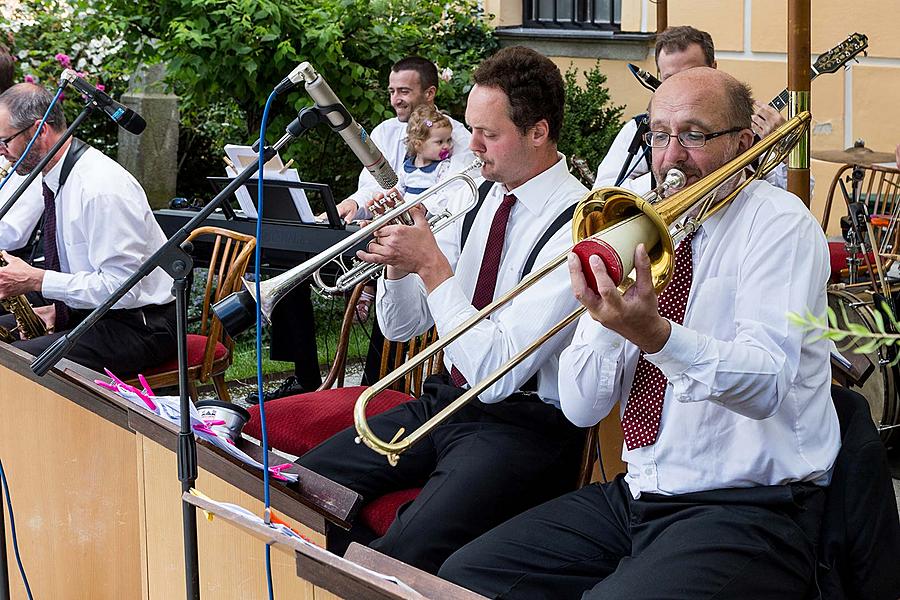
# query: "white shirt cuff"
{"points": [[55, 285], [677, 355]]}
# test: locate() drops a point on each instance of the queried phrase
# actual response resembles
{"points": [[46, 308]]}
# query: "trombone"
{"points": [[237, 312], [597, 215]]}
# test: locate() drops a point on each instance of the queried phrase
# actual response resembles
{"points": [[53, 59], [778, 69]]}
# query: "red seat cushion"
{"points": [[381, 512], [297, 423], [838, 254], [196, 347]]}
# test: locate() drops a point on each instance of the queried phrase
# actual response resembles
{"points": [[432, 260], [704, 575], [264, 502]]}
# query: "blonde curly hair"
{"points": [[422, 120]]}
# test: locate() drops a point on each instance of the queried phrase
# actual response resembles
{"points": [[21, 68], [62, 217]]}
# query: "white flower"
{"points": [[447, 74]]}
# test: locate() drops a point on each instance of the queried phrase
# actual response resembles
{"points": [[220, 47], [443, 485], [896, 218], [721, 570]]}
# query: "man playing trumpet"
{"points": [[730, 431], [512, 449]]}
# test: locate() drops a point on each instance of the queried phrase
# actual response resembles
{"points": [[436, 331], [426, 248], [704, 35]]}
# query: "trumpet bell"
{"points": [[610, 223]]}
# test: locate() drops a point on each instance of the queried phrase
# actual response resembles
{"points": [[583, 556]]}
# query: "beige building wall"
{"points": [[751, 44]]}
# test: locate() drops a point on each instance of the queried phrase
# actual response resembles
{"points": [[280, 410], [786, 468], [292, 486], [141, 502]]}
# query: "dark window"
{"points": [[573, 14]]}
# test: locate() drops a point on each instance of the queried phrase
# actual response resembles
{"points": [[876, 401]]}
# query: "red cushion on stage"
{"points": [[297, 423], [838, 254], [381, 512], [196, 347]]}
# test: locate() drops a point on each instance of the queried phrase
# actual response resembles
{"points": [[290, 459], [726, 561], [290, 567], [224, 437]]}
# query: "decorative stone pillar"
{"points": [[152, 157]]}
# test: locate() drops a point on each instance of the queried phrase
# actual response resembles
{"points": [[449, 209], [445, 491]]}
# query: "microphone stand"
{"points": [[174, 260], [633, 148], [38, 169]]}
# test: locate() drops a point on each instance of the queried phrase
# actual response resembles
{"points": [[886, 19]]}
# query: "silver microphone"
{"points": [[340, 121]]}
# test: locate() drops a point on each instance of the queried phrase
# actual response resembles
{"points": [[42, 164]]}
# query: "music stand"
{"points": [[279, 204]]}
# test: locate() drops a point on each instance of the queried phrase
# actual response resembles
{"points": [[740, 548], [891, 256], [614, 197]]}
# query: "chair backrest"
{"points": [[879, 190], [230, 254], [392, 354], [860, 537]]}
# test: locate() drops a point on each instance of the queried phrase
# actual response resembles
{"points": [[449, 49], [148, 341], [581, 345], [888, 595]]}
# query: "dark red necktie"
{"points": [[490, 265], [640, 422], [51, 253]]}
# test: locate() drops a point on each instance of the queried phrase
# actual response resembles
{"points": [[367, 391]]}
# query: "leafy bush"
{"points": [[46, 37], [233, 52], [591, 122]]}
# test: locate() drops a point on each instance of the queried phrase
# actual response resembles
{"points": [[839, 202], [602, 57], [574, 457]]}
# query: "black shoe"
{"points": [[288, 387]]}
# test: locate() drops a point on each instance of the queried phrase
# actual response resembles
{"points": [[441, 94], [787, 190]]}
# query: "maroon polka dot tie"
{"points": [[640, 422], [490, 265]]}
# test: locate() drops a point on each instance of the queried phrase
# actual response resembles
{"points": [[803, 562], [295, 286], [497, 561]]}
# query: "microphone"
{"points": [[126, 118], [340, 121]]}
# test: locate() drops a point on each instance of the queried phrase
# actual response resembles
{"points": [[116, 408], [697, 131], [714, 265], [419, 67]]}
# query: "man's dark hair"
{"points": [[677, 39], [27, 103], [7, 68], [428, 75], [532, 83]]}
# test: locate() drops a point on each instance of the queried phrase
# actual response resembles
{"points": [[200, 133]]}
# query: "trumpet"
{"points": [[237, 312], [600, 217]]}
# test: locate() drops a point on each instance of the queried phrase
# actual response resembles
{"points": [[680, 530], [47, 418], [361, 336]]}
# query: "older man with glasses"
{"points": [[97, 230]]}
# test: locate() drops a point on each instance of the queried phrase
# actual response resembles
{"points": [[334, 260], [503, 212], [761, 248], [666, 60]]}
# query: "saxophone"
{"points": [[28, 323]]}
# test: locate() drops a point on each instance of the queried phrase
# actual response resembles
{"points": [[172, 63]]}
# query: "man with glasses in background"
{"points": [[97, 230]]}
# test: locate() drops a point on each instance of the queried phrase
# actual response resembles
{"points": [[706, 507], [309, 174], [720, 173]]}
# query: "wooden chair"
{"points": [[210, 351], [880, 191]]}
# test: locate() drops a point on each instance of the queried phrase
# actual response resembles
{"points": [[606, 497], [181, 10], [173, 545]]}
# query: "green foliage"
{"points": [[47, 37], [232, 53], [848, 335], [591, 121]]}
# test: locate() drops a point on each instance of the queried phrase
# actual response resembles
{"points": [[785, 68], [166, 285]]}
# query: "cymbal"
{"points": [[857, 155]]}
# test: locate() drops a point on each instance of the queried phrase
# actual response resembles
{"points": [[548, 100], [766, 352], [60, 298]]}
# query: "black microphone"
{"points": [[126, 118], [340, 121]]}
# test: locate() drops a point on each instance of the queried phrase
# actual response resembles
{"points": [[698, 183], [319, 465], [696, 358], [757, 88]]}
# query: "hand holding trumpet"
{"points": [[406, 248]]}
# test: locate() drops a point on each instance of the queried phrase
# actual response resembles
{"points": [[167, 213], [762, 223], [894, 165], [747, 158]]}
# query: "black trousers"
{"points": [[126, 341], [294, 336], [598, 542], [484, 465]]}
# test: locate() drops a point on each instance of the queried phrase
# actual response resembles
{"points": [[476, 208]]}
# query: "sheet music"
{"points": [[242, 157], [230, 511], [168, 407]]}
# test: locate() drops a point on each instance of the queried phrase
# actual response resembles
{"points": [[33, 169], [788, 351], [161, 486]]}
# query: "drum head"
{"points": [[878, 388]]}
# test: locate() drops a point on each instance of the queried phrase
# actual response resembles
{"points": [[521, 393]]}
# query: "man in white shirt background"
{"points": [[413, 81], [730, 431], [677, 49], [510, 449], [97, 229]]}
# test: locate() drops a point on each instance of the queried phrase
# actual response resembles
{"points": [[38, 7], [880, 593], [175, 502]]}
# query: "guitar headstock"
{"points": [[840, 55]]}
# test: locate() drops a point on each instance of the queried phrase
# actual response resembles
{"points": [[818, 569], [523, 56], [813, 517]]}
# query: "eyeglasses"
{"points": [[4, 143], [688, 139]]}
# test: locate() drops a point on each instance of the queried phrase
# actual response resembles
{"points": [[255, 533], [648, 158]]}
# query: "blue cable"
{"points": [[12, 531], [259, 325], [35, 137]]}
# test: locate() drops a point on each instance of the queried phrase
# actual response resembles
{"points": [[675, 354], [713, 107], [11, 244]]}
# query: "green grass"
{"points": [[328, 315]]}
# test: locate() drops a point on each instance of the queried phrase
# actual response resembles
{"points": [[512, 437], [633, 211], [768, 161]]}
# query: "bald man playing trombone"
{"points": [[730, 431], [512, 448]]}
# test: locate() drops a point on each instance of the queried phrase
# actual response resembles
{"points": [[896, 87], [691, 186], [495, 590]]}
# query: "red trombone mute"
{"points": [[609, 255]]}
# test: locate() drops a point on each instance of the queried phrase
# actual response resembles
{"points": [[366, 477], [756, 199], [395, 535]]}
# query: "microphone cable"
{"points": [[12, 531], [34, 138], [259, 325]]}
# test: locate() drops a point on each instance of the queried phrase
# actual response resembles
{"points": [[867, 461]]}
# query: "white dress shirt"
{"points": [[390, 137], [20, 221], [748, 400], [104, 231], [405, 310]]}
